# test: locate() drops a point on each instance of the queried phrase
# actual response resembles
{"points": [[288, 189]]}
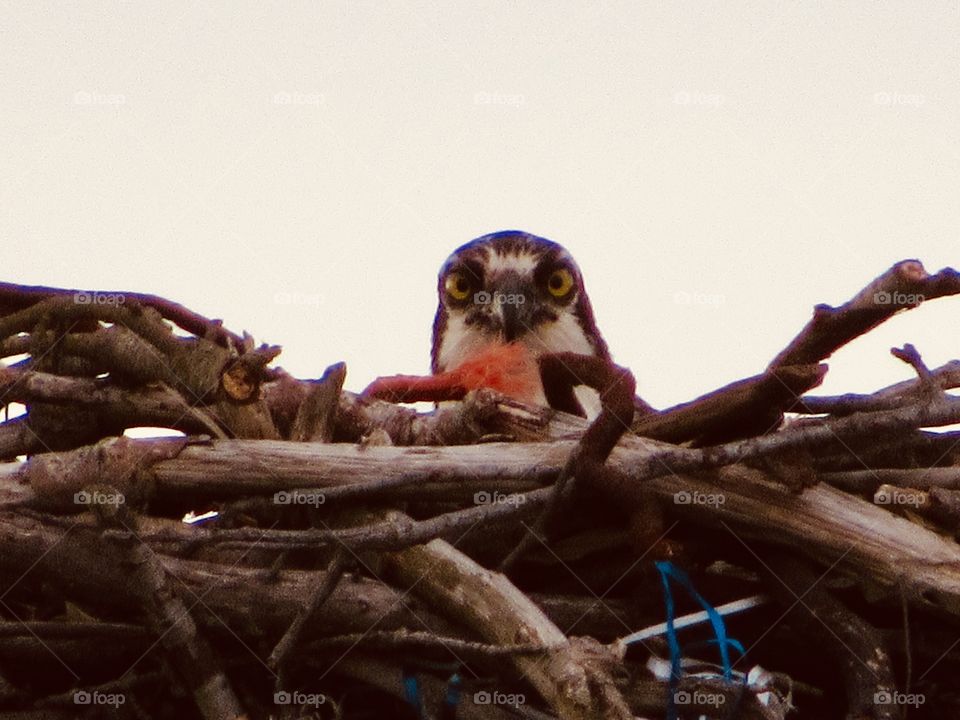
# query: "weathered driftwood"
{"points": [[864, 662], [168, 616], [258, 602], [276, 578], [822, 522], [117, 407], [904, 286], [573, 676], [14, 298]]}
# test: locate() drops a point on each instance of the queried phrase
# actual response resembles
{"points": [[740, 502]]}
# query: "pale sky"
{"points": [[302, 170]]}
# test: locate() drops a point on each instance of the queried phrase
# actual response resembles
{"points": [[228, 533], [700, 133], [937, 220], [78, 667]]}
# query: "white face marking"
{"points": [[460, 343], [523, 263], [564, 335]]}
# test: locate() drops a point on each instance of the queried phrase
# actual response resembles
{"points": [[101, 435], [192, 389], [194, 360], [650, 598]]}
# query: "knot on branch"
{"points": [[72, 481]]}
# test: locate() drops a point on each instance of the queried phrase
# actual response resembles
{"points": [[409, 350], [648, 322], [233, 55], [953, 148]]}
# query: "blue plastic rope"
{"points": [[668, 570], [665, 568], [452, 698], [411, 692]]}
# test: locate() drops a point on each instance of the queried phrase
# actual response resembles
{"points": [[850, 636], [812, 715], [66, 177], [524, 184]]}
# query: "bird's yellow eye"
{"points": [[457, 285], [560, 282]]}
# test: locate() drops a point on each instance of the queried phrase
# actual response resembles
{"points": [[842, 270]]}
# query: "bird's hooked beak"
{"points": [[512, 299]]}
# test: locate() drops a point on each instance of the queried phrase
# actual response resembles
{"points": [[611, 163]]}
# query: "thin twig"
{"points": [[293, 636]]}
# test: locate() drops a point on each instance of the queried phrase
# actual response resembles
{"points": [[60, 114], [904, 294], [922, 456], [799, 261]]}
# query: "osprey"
{"points": [[504, 300]]}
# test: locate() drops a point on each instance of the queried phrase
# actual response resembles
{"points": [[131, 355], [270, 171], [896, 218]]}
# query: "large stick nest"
{"points": [[485, 560]]}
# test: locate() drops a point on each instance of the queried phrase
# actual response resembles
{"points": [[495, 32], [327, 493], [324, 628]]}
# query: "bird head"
{"points": [[511, 287]]}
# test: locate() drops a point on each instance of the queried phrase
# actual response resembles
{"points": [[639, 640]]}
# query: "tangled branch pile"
{"points": [[485, 560]]}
